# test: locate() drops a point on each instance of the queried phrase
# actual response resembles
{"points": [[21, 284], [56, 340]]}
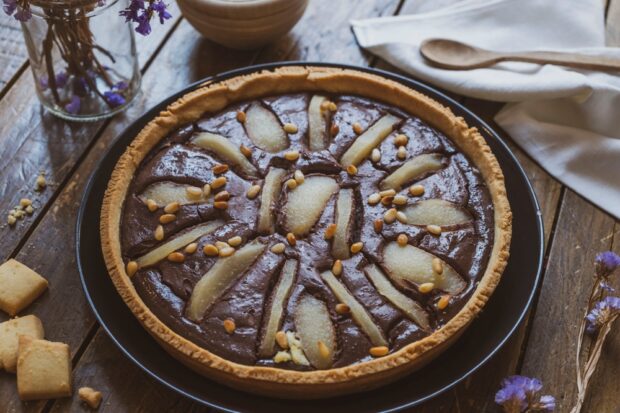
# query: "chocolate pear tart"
{"points": [[306, 232]]}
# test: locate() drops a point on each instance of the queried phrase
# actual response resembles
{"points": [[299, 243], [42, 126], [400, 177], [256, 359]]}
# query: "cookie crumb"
{"points": [[90, 396]]}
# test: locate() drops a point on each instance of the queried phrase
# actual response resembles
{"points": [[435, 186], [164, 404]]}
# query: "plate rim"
{"points": [[407, 81]]}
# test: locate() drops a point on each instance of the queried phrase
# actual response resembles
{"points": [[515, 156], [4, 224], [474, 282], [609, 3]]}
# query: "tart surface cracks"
{"points": [[306, 231]]}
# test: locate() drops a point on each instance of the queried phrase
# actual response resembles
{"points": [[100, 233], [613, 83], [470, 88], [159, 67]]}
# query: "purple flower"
{"points": [[23, 13], [601, 313], [122, 85], [43, 82], [606, 263], [144, 25], [9, 6], [519, 393], [61, 79], [73, 107], [607, 288], [160, 8], [139, 12], [114, 99], [131, 12]]}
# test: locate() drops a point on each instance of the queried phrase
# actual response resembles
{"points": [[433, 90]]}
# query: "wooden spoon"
{"points": [[450, 54]]}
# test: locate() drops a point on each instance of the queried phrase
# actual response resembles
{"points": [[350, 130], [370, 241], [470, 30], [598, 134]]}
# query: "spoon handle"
{"points": [[565, 59]]}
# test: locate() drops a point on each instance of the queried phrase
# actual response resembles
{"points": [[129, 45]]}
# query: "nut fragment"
{"points": [[218, 182], [352, 169], [323, 349], [374, 199], [220, 169], [167, 218], [29, 210], [172, 207], [401, 217], [235, 241], [378, 224], [332, 106], [387, 200], [221, 196], [206, 190], [375, 155], [390, 215], [24, 202], [253, 191], [330, 231], [221, 244], [402, 240], [159, 233], [400, 200], [11, 220], [229, 325], [401, 153], [241, 116], [379, 351], [357, 128], [278, 248], [337, 267], [291, 184], [247, 152], [210, 250], [191, 248], [90, 396], [281, 339], [290, 128], [416, 190], [426, 288], [132, 268], [357, 247], [151, 205], [193, 192], [176, 257], [437, 266], [434, 229], [342, 308], [220, 204], [282, 357], [443, 302], [299, 177], [334, 129], [291, 155], [401, 140], [40, 183], [387, 192], [290, 237], [226, 251]]}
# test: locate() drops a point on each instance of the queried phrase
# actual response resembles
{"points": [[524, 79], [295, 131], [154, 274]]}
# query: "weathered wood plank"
{"points": [[613, 24], [32, 140], [13, 54]]}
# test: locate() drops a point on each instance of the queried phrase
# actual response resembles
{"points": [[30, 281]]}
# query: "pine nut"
{"points": [[193, 192], [357, 128], [332, 107], [357, 247], [206, 190], [387, 200], [290, 237], [241, 116], [220, 204], [11, 220], [210, 250], [226, 251], [443, 302], [402, 240], [282, 340], [218, 182], [337, 267], [151, 205], [247, 152], [426, 288], [172, 207], [342, 308], [390, 216], [352, 170], [235, 241], [330, 231], [253, 191], [375, 155], [323, 350], [416, 190], [434, 229], [401, 217], [334, 129], [401, 153], [387, 192], [437, 266], [400, 200], [24, 202], [401, 140], [374, 199], [29, 210], [290, 128], [378, 224], [221, 196], [278, 248], [291, 184], [176, 257], [229, 326], [40, 183], [191, 248], [221, 244], [159, 233], [219, 169], [167, 218], [299, 177], [379, 351], [132, 268], [291, 155]]}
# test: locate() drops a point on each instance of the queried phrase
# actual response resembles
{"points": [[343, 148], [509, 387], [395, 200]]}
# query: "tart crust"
{"points": [[213, 97]]}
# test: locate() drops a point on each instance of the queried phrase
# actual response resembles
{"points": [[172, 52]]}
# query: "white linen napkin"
{"points": [[568, 120]]}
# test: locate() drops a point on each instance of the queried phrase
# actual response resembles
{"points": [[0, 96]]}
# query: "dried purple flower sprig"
{"points": [[142, 12], [523, 394]]}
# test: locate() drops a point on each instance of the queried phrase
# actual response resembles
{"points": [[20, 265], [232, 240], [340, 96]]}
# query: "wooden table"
{"points": [[172, 57]]}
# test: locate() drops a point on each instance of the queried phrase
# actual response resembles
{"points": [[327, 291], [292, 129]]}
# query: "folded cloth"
{"points": [[567, 119]]}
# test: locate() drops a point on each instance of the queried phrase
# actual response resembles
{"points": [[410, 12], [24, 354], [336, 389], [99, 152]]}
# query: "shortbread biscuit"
{"points": [[10, 331], [19, 286], [43, 369]]}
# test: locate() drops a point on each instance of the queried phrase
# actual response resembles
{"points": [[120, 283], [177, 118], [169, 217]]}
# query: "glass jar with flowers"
{"points": [[83, 53]]}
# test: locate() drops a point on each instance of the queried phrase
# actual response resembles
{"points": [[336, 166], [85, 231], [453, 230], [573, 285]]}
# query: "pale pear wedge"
{"points": [[226, 150], [313, 325], [344, 219], [436, 212], [269, 194], [358, 312], [416, 265], [306, 203], [412, 169], [264, 129], [219, 277], [165, 192], [317, 124], [412, 309], [274, 317], [161, 252], [367, 141]]}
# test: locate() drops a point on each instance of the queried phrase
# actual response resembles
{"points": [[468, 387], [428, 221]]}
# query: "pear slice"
{"points": [[367, 141], [219, 277], [264, 129], [416, 265], [161, 252], [317, 124], [274, 318], [226, 150], [314, 325], [412, 309], [306, 203], [411, 169], [165, 192], [269, 194], [361, 317], [344, 212], [436, 212]]}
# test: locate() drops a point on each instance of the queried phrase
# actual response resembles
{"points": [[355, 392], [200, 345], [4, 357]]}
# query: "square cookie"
{"points": [[43, 369], [10, 331], [19, 286]]}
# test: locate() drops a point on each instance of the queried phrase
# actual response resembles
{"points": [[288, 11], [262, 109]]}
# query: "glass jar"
{"points": [[83, 57]]}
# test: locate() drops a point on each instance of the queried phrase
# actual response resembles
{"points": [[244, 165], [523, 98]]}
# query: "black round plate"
{"points": [[479, 343]]}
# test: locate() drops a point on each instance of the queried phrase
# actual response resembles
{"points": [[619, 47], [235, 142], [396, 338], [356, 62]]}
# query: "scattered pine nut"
{"points": [[193, 192], [437, 266], [291, 155], [401, 217], [40, 183], [400, 200], [24, 202], [11, 220], [229, 325], [374, 199], [443, 302], [176, 257], [291, 184], [167, 218], [219, 169], [220, 204], [434, 229], [241, 116], [352, 170], [247, 152], [278, 248], [151, 205], [402, 240], [426, 288], [332, 106], [402, 153], [210, 250], [387, 200], [29, 210], [206, 190], [342, 308], [387, 192], [191, 248], [299, 177], [221, 244], [357, 247], [290, 237], [330, 231], [334, 129], [378, 224], [375, 155], [159, 233], [226, 251], [401, 140], [253, 191], [337, 267], [357, 128], [132, 268], [281, 339], [290, 128], [235, 241], [323, 350], [390, 215], [221, 196], [416, 190], [172, 207], [218, 182], [379, 351]]}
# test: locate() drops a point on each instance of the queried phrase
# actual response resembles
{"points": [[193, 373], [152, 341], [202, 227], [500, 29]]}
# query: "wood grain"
{"points": [[13, 54]]}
